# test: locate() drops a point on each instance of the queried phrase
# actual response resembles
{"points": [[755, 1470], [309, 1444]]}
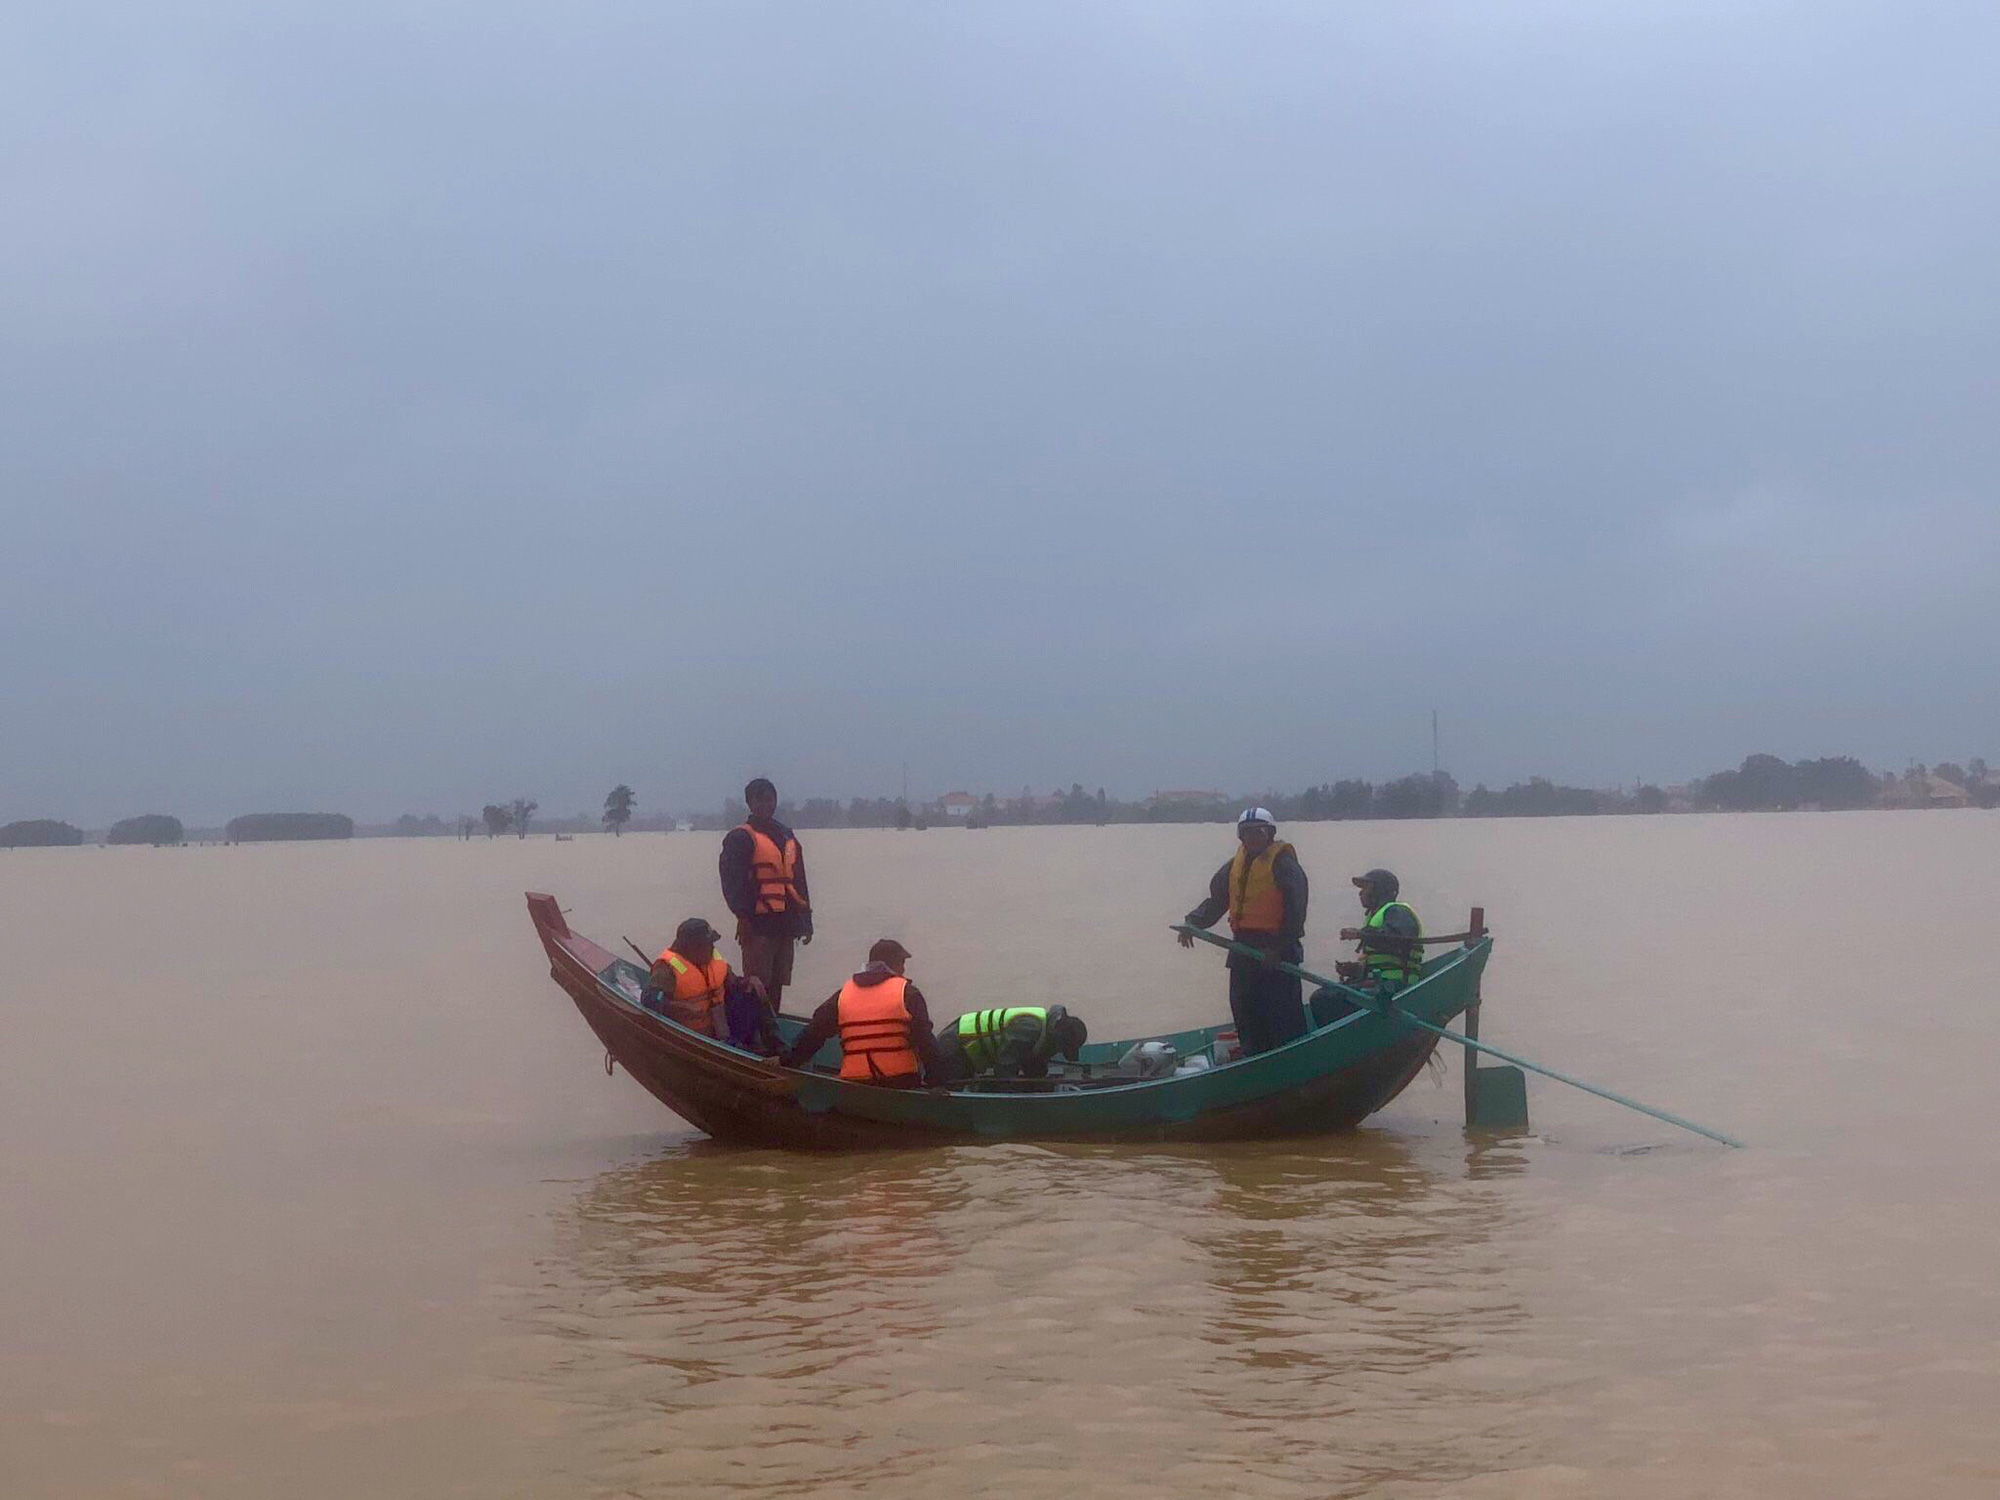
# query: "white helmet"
{"points": [[1257, 815]]}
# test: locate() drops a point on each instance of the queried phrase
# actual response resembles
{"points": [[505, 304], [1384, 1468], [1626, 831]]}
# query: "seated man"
{"points": [[883, 1023], [1013, 1043], [1390, 955], [691, 984]]}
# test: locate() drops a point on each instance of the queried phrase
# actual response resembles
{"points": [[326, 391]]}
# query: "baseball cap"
{"points": [[696, 930]]}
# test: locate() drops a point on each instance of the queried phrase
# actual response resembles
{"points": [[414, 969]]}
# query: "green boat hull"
{"points": [[1328, 1080]]}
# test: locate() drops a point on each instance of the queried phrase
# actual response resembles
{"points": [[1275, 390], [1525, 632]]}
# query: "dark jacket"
{"points": [[1290, 878], [825, 1025], [739, 888]]}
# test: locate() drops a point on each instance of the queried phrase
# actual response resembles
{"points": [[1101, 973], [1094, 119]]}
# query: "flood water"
{"points": [[314, 1185]]}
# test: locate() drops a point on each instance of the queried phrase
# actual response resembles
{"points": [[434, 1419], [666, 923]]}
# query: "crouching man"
{"points": [[1017, 1042]]}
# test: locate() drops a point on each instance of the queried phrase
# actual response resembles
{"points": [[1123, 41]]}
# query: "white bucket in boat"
{"points": [[1153, 1059], [1227, 1047]]}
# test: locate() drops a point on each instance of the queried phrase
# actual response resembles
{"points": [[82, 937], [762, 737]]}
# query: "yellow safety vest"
{"points": [[1391, 968], [1255, 902]]}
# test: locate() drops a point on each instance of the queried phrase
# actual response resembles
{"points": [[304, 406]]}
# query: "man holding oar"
{"points": [[1263, 889]]}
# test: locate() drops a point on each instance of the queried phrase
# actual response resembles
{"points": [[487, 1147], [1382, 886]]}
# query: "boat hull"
{"points": [[1329, 1080]]}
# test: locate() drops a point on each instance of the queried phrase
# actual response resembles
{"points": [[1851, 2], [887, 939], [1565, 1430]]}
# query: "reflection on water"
{"points": [[1344, 1276], [1231, 1307]]}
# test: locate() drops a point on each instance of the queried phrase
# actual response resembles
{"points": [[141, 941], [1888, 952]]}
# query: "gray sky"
{"points": [[407, 407]]}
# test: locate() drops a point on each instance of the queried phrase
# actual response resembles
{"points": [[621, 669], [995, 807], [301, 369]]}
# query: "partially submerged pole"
{"points": [[1495, 1098], [1474, 931]]}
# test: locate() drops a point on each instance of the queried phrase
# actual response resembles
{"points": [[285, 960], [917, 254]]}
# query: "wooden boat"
{"points": [[1328, 1080]]}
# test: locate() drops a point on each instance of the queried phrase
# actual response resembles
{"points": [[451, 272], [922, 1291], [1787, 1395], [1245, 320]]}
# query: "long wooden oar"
{"points": [[1382, 1007]]}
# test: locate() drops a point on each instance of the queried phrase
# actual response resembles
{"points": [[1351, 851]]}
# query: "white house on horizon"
{"points": [[958, 804]]}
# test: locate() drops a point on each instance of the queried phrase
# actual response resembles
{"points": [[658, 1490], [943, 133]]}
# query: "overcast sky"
{"points": [[406, 407]]}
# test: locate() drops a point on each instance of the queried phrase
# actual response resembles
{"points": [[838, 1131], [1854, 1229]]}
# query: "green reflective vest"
{"points": [[1393, 968], [985, 1035]]}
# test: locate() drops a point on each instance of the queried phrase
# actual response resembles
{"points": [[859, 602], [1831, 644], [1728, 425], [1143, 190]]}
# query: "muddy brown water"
{"points": [[314, 1185]]}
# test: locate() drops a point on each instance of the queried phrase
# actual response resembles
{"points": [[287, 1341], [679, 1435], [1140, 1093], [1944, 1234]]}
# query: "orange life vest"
{"points": [[875, 1032], [697, 992], [1255, 902], [775, 874]]}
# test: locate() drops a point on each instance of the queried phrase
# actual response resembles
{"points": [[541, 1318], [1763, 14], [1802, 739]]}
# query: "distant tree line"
{"points": [[39, 833], [1762, 783], [1538, 797], [1766, 783], [268, 828], [149, 828], [512, 817]]}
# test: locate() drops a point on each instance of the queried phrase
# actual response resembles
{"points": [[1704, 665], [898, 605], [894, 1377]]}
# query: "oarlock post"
{"points": [[1475, 929]]}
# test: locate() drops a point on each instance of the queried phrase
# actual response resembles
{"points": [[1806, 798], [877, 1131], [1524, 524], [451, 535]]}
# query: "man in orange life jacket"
{"points": [[764, 881], [883, 1022], [691, 984], [1263, 889]]}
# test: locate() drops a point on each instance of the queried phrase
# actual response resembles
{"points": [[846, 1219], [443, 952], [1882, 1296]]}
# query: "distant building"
{"points": [[1920, 789], [958, 804], [1947, 793], [1170, 799]]}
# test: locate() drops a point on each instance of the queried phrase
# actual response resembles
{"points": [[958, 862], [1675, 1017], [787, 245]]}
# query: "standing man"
{"points": [[764, 881], [1263, 889]]}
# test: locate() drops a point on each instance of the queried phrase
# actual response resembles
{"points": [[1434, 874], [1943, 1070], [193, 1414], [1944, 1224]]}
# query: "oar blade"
{"points": [[1499, 1098]]}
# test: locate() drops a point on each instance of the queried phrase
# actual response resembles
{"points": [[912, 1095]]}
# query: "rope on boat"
{"points": [[609, 1066], [1381, 1007]]}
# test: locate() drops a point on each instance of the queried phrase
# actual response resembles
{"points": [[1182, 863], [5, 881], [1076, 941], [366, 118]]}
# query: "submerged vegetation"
{"points": [[1762, 783], [262, 828], [618, 808], [148, 828], [39, 833]]}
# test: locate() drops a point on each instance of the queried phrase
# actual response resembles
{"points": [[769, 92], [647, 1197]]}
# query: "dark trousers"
{"points": [[1268, 1006], [957, 1067], [748, 1021]]}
